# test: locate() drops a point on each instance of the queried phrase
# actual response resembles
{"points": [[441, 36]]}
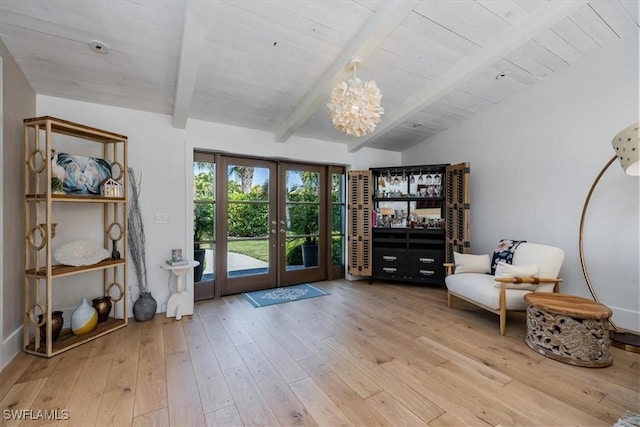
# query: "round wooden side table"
{"points": [[569, 329]]}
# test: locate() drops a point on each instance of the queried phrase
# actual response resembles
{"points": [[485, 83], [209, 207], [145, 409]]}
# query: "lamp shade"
{"points": [[627, 145]]}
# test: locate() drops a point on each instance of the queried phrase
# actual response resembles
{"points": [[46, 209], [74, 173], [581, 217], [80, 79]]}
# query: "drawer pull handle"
{"points": [[389, 258], [389, 270], [427, 272], [427, 260]]}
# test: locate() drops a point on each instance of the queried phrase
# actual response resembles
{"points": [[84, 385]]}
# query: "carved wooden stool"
{"points": [[569, 329]]}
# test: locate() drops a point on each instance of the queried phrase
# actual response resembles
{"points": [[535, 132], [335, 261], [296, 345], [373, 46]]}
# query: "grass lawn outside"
{"points": [[254, 248]]}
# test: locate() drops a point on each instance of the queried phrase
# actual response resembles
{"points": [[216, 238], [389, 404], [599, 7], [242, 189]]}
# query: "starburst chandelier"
{"points": [[355, 105]]}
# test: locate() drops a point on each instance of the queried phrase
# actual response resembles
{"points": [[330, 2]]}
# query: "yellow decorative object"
{"points": [[84, 319]]}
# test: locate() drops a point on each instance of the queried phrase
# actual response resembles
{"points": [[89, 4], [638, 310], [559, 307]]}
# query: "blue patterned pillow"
{"points": [[504, 252]]}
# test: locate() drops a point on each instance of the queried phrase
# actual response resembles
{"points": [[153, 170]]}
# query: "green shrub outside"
{"points": [[247, 219]]}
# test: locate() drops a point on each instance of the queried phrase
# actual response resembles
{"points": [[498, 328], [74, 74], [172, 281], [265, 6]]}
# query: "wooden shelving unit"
{"points": [[422, 217], [43, 135]]}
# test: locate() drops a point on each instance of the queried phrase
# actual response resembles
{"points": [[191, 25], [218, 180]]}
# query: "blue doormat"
{"points": [[280, 295]]}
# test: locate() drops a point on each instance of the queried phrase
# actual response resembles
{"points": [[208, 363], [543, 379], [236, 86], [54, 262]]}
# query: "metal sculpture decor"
{"points": [[145, 306], [355, 105]]}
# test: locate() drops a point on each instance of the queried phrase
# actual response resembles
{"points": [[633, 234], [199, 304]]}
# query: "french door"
{"points": [[270, 224]]}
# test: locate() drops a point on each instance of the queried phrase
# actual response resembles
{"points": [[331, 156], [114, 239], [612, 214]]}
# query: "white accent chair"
{"points": [[499, 295]]}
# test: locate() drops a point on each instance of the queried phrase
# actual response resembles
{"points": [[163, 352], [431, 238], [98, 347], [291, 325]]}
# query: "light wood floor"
{"points": [[366, 355]]}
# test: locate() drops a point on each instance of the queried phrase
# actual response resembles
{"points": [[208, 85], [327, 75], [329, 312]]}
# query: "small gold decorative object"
{"points": [[103, 307], [56, 326]]}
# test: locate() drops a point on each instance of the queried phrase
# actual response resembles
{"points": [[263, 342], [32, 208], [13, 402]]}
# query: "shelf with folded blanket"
{"points": [[74, 185]]}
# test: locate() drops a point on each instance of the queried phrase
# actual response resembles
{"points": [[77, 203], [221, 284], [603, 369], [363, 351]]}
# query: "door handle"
{"points": [[427, 260]]}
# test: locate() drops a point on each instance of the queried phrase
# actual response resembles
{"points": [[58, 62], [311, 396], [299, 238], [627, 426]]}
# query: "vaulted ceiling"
{"points": [[271, 65]]}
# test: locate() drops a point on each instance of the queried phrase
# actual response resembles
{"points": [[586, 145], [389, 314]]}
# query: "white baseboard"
{"points": [[624, 318], [11, 346]]}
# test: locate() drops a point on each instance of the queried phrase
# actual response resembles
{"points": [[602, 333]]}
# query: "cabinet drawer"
{"points": [[383, 271], [389, 263], [425, 258], [426, 266], [389, 257], [430, 275]]}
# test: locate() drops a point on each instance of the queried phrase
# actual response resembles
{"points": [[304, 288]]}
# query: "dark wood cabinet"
{"points": [[420, 217]]}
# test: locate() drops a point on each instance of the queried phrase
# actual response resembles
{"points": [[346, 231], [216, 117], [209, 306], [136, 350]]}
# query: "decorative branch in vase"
{"points": [[145, 306]]}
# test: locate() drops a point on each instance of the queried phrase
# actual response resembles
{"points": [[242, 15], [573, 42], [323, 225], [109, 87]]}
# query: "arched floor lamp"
{"points": [[627, 147]]}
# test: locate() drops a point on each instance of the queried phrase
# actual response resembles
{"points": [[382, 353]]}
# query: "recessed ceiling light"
{"points": [[417, 124], [502, 75], [98, 46]]}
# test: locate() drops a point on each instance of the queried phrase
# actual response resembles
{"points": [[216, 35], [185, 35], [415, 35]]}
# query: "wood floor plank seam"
{"points": [[365, 355]]}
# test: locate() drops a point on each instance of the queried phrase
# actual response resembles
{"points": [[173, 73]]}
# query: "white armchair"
{"points": [[505, 292]]}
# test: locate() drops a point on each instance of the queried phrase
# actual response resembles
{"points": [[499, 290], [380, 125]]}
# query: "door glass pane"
{"points": [[337, 252], [204, 219], [302, 218], [247, 220], [338, 212]]}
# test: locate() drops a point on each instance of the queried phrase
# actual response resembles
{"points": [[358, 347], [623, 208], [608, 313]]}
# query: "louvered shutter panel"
{"points": [[359, 212], [458, 209]]}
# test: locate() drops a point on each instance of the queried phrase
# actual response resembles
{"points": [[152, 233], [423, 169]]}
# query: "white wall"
{"points": [[164, 156], [533, 159], [18, 101]]}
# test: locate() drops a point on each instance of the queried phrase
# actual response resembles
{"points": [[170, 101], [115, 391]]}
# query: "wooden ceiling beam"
{"points": [[512, 38], [196, 17], [365, 41]]}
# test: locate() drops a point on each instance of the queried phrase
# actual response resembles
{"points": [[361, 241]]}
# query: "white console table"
{"points": [[180, 303]]}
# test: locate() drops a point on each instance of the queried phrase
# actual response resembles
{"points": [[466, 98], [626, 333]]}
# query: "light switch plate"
{"points": [[161, 218]]}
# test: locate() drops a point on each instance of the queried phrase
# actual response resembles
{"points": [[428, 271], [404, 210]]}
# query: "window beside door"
{"points": [[337, 221], [204, 209]]}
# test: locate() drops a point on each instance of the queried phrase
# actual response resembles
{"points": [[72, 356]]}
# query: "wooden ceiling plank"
{"points": [[509, 41], [143, 40], [414, 70], [520, 58], [510, 11], [593, 24], [559, 46], [365, 41], [256, 36], [196, 17], [544, 56], [467, 100], [436, 32], [405, 42], [482, 21], [616, 17], [570, 32], [454, 19], [632, 6]]}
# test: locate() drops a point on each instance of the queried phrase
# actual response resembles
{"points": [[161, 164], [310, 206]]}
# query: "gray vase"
{"points": [[145, 307]]}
